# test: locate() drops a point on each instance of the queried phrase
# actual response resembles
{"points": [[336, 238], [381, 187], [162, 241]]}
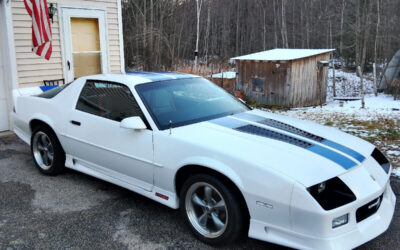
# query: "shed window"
{"points": [[258, 85]]}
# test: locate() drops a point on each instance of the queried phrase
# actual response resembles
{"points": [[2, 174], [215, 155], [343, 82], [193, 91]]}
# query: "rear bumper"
{"points": [[363, 232]]}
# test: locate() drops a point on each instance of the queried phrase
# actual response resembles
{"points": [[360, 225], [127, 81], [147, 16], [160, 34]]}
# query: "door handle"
{"points": [[69, 65], [75, 123]]}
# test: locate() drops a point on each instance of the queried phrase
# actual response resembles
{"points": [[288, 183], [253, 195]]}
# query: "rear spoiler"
{"points": [[29, 92]]}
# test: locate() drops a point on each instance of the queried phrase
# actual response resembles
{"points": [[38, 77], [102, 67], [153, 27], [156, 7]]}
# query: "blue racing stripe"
{"points": [[343, 161], [151, 76], [240, 125], [46, 88], [329, 143], [344, 149], [159, 75]]}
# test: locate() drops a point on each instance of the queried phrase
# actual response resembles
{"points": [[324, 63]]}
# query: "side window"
{"points": [[109, 100]]}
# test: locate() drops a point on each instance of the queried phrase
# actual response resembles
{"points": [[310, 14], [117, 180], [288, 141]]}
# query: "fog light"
{"points": [[340, 221]]}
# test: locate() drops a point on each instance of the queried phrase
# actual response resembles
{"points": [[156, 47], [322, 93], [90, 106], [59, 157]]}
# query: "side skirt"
{"points": [[83, 167]]}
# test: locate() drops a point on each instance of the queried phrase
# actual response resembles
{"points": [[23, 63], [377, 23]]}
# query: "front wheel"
{"points": [[211, 210], [47, 153]]}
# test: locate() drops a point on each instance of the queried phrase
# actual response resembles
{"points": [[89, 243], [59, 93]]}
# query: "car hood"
{"points": [[304, 151]]}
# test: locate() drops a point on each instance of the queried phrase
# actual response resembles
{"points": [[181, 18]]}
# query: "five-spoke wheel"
{"points": [[212, 210], [43, 151], [47, 153], [206, 209]]}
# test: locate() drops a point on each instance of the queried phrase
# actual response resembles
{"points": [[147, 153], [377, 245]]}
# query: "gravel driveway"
{"points": [[76, 211]]}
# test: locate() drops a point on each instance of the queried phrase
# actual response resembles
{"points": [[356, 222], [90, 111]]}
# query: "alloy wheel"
{"points": [[206, 209]]}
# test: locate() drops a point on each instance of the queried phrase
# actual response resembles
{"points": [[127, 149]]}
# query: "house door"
{"points": [[85, 42], [4, 123]]}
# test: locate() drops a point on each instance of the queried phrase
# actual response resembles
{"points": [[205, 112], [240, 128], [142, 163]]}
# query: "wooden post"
{"points": [[375, 87], [361, 86], [334, 78]]}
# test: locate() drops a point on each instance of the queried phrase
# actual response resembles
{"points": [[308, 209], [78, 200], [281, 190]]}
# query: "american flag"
{"points": [[41, 30]]}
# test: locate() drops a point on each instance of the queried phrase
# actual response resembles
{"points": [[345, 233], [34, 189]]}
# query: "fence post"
{"points": [[361, 86], [334, 78]]}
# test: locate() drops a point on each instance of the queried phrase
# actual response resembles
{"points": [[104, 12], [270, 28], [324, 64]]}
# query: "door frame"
{"points": [[65, 14], [7, 49]]}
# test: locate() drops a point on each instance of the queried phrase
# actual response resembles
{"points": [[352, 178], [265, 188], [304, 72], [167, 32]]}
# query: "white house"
{"points": [[86, 36]]}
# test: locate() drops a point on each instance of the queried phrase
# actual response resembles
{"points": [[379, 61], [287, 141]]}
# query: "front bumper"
{"points": [[359, 234]]}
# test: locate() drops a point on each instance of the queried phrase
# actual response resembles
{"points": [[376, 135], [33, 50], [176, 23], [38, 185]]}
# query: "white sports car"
{"points": [[184, 142]]}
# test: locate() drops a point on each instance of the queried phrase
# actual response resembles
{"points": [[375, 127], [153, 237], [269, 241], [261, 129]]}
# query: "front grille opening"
{"points": [[369, 209], [335, 194], [381, 159]]}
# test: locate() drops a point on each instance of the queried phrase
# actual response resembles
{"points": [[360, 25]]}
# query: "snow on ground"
{"points": [[226, 75], [378, 122], [396, 172], [376, 108], [348, 84]]}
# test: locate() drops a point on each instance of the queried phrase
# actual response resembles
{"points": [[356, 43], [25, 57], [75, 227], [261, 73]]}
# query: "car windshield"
{"points": [[182, 102]]}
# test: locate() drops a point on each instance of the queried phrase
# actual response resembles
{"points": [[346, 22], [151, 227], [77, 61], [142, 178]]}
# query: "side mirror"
{"points": [[134, 122]]}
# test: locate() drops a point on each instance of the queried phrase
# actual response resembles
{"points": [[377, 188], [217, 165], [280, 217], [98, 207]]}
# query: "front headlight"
{"points": [[332, 193], [381, 160]]}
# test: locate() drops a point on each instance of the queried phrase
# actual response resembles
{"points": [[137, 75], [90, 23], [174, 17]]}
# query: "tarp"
{"points": [[390, 79]]}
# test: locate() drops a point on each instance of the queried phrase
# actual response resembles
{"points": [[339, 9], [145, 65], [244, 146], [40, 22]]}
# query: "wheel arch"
{"points": [[190, 169], [35, 122]]}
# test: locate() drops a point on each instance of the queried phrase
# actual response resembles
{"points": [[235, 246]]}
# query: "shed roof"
{"points": [[226, 75], [282, 54]]}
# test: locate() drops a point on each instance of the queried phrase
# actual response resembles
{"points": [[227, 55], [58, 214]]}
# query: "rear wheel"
{"points": [[46, 150], [211, 210]]}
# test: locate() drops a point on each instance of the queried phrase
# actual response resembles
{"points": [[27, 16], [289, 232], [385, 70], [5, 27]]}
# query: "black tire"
{"points": [[235, 225], [58, 162]]}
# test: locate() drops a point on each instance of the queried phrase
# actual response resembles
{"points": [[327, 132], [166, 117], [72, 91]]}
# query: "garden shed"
{"points": [[284, 77]]}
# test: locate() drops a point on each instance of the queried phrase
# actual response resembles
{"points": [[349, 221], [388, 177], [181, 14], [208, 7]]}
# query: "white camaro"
{"points": [[186, 143]]}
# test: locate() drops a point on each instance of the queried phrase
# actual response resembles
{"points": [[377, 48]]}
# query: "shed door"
{"points": [[4, 125], [85, 42]]}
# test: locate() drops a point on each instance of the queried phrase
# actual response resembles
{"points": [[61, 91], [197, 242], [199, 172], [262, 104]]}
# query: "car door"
{"points": [[97, 141]]}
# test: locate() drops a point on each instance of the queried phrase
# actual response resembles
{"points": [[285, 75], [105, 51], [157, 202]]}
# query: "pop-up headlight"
{"points": [[332, 193]]}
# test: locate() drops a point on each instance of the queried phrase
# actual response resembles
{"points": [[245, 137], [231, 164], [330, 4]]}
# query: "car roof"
{"points": [[138, 77]]}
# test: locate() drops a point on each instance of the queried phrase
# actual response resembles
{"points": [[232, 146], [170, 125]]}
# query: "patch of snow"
{"points": [[392, 152], [396, 172], [348, 84], [282, 54], [380, 107], [226, 75]]}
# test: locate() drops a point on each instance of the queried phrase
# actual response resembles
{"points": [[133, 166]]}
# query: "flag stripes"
{"points": [[41, 29]]}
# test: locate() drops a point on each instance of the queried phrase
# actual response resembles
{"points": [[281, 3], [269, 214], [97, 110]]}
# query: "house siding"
{"points": [[32, 69]]}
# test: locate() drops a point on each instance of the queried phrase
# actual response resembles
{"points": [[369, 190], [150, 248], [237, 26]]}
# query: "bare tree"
{"points": [[361, 86], [375, 45], [198, 8], [164, 33], [342, 9]]}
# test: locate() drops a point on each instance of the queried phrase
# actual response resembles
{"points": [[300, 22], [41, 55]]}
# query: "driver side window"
{"points": [[110, 100]]}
